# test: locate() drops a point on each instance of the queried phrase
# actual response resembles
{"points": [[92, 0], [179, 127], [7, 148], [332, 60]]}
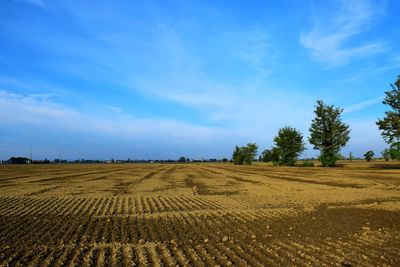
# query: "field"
{"points": [[199, 215]]}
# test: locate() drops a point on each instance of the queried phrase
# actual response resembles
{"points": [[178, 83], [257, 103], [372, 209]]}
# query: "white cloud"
{"points": [[33, 110], [330, 33], [362, 105]]}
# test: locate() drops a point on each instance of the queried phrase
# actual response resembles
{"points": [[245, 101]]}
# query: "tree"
{"points": [[386, 154], [237, 156], [351, 156], [245, 154], [328, 133], [249, 153], [290, 144], [266, 155], [390, 124], [224, 160], [369, 155], [182, 159], [275, 155]]}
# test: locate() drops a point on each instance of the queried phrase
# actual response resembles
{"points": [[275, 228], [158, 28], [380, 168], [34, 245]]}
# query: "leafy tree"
{"points": [[275, 155], [237, 156], [224, 160], [328, 133], [290, 144], [390, 124], [369, 155], [395, 151], [245, 154], [386, 154], [249, 153], [266, 155]]}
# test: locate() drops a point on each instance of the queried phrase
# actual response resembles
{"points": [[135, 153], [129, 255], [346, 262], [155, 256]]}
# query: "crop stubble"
{"points": [[198, 215]]}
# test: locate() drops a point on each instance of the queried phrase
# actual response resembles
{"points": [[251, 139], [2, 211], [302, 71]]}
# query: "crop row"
{"points": [[182, 238]]}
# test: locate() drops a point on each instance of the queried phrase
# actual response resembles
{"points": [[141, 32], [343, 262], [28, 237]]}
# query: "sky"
{"points": [[147, 79]]}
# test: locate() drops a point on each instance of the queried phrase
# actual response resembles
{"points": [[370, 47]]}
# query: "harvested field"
{"points": [[199, 215]]}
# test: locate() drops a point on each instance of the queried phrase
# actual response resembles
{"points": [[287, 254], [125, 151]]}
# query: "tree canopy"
{"points": [[289, 143], [328, 133], [245, 154], [390, 124]]}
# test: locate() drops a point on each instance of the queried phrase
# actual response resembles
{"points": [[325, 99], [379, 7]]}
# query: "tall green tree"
{"points": [[390, 124], [328, 133], [290, 144]]}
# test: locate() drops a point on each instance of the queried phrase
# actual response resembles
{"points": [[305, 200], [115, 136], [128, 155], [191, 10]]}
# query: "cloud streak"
{"points": [[34, 110], [330, 34]]}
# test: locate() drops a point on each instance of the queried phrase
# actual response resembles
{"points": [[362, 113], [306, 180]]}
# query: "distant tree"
{"points": [[19, 160], [351, 156], [245, 154], [249, 153], [328, 133], [386, 154], [182, 159], [369, 155], [224, 160], [275, 155], [266, 155], [390, 124], [237, 156], [290, 144]]}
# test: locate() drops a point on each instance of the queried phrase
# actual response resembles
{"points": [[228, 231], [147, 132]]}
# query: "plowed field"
{"points": [[199, 215]]}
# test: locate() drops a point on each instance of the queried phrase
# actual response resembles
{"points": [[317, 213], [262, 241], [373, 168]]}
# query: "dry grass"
{"points": [[200, 214]]}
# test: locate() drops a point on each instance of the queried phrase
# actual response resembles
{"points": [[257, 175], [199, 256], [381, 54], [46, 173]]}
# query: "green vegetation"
{"points": [[266, 155], [328, 133], [386, 154], [289, 145], [390, 124], [369, 155], [245, 154]]}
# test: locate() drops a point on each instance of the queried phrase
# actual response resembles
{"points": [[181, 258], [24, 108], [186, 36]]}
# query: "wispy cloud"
{"points": [[362, 105], [331, 33], [39, 111]]}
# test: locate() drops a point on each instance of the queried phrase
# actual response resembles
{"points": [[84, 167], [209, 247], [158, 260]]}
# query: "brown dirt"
{"points": [[120, 215]]}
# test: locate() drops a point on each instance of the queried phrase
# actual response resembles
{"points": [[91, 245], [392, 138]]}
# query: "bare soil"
{"points": [[200, 215]]}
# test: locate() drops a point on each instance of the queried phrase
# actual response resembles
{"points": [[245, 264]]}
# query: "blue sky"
{"points": [[161, 79]]}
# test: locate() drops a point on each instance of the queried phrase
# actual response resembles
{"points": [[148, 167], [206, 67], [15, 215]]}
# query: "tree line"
{"points": [[328, 134]]}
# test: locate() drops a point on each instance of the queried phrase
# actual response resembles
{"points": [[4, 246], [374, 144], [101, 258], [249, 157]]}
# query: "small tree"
{"points": [[369, 155], [275, 155], [266, 155], [386, 154], [237, 156], [290, 143], [328, 133], [182, 159], [245, 154], [249, 153], [390, 124], [351, 156], [224, 160]]}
